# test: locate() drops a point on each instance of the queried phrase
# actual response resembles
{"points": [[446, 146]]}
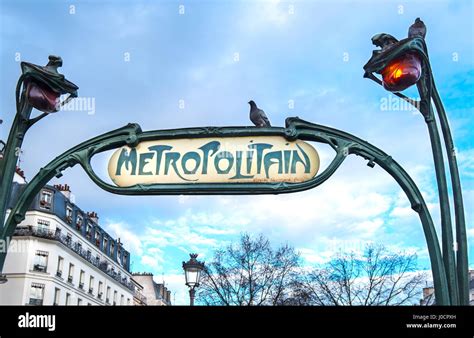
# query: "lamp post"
{"points": [[192, 272], [402, 64], [38, 87]]}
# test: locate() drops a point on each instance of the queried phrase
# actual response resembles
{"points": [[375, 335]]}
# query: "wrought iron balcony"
{"points": [[66, 241], [35, 302], [140, 297], [39, 268]]}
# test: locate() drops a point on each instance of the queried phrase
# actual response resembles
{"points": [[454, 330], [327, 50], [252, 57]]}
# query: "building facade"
{"points": [[59, 255], [429, 296], [155, 293]]}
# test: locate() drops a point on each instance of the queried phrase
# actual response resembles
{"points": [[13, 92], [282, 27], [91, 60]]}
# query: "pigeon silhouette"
{"points": [[257, 116], [417, 29]]}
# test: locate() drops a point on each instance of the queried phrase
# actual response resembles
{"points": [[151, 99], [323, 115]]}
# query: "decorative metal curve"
{"points": [[343, 143]]}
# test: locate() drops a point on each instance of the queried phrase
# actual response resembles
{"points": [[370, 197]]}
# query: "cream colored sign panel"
{"points": [[214, 160]]}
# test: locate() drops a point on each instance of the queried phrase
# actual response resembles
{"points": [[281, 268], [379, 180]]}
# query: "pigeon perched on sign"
{"points": [[417, 29], [257, 116]]}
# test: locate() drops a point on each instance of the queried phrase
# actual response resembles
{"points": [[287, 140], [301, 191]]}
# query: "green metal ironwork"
{"points": [[457, 269], [49, 77], [341, 142]]}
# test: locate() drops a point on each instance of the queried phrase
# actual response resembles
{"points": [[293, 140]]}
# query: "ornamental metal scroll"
{"points": [[296, 129]]}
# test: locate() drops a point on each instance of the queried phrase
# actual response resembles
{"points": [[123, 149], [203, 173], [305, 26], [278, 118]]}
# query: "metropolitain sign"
{"points": [[233, 159]]}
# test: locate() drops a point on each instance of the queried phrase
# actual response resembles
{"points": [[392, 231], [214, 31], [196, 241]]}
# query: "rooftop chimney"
{"points": [[93, 216], [64, 189]]}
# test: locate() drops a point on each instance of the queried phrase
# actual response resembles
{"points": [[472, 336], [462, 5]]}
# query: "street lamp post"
{"points": [[402, 64], [192, 272], [38, 87]]}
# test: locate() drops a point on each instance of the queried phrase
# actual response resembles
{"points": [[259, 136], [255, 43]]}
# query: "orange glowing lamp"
{"points": [[401, 72]]}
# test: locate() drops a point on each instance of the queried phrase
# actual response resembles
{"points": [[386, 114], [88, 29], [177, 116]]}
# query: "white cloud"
{"points": [[150, 261], [121, 230]]}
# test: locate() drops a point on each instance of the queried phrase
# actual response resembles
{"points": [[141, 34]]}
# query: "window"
{"points": [[88, 230], [79, 222], [81, 279], [70, 273], [36, 294], [68, 239], [97, 237], [42, 224], [107, 295], [101, 289], [112, 248], [68, 299], [121, 300], [119, 256], [41, 261], [89, 254], [124, 260], [59, 269], [57, 294], [128, 301], [91, 284], [68, 214], [115, 297], [79, 301], [79, 247], [104, 244], [46, 199]]}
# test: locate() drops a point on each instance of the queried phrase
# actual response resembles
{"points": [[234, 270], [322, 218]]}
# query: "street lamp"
{"points": [[38, 87], [192, 272], [402, 64]]}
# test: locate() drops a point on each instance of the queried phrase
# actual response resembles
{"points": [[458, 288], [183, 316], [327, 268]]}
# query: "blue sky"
{"points": [[138, 60]]}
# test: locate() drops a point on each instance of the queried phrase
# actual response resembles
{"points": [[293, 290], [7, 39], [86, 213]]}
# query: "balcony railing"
{"points": [[66, 241], [35, 301], [139, 296], [39, 268], [59, 273], [81, 285]]}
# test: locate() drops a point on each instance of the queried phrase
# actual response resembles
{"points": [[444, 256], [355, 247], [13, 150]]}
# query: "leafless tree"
{"points": [[249, 273], [377, 277]]}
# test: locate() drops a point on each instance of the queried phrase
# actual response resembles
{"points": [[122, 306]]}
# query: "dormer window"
{"points": [[46, 199], [68, 214], [88, 230], [119, 256], [97, 237], [79, 222], [104, 244]]}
